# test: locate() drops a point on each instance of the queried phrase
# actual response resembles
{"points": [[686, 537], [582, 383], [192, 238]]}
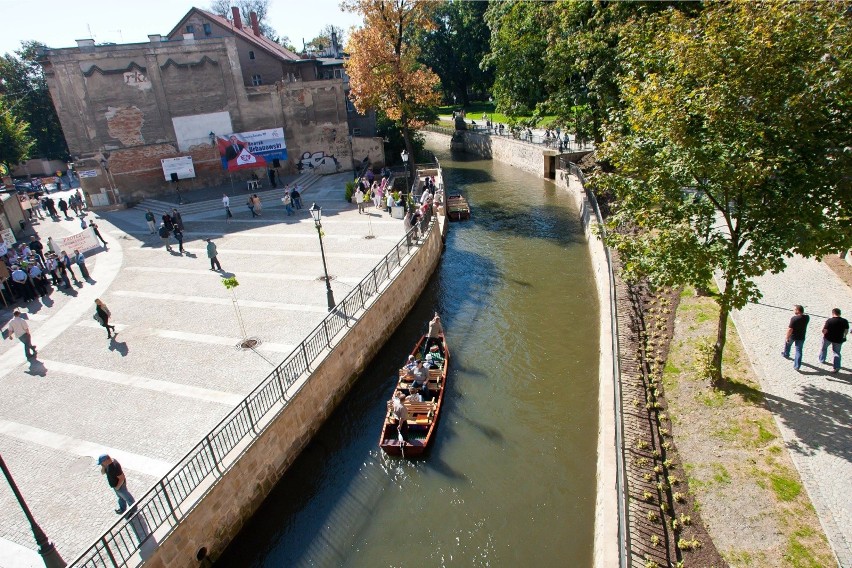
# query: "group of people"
{"points": [[292, 199], [170, 225], [416, 372], [834, 333], [27, 268]]}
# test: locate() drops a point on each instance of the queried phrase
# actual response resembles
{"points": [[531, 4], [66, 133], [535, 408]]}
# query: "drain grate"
{"points": [[249, 343]]}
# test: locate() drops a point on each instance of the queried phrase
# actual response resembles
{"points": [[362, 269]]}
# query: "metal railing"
{"points": [[620, 476], [130, 540], [520, 135]]}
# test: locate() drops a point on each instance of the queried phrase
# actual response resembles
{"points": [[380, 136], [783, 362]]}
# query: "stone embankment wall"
{"points": [[530, 158], [235, 497]]}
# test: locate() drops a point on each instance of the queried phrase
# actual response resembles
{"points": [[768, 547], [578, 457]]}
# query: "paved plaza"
{"points": [[813, 408], [174, 370]]}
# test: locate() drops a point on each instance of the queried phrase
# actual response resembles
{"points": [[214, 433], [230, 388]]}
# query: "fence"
{"points": [[127, 542], [571, 144], [620, 477]]}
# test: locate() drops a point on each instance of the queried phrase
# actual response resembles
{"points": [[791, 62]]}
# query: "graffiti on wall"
{"points": [[318, 162]]}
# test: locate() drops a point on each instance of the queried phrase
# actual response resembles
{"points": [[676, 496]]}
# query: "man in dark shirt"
{"points": [[833, 333], [116, 480], [796, 335]]}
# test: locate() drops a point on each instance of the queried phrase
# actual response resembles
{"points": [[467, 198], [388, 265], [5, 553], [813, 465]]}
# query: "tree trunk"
{"points": [[719, 347]]}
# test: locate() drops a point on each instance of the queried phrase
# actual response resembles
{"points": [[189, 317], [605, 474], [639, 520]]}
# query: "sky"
{"points": [[58, 23]]}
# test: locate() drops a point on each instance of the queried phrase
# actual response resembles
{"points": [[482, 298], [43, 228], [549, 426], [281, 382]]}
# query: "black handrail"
{"points": [[164, 503]]}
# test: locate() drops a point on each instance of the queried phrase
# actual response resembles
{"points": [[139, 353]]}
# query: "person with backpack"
{"points": [[164, 235]]}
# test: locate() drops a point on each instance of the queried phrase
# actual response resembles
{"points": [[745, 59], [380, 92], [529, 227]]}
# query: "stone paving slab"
{"points": [[813, 408], [148, 397]]}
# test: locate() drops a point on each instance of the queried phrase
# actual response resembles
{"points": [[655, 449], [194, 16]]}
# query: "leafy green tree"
{"points": [[733, 149], [518, 52], [23, 85], [456, 46], [322, 42], [15, 141]]}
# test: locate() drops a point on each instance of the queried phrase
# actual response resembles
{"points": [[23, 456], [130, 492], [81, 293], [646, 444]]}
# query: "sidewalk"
{"points": [[813, 408], [174, 369]]}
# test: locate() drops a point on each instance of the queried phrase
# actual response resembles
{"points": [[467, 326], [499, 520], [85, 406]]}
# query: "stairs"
{"points": [[269, 196]]}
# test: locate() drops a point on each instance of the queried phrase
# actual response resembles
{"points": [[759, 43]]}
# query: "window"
{"points": [[356, 132], [190, 29], [256, 80], [208, 29], [251, 55], [337, 74]]}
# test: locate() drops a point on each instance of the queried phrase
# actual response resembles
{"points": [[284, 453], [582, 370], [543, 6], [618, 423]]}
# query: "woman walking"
{"points": [[102, 315]]}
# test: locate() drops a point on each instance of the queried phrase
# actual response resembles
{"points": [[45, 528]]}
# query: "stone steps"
{"points": [[159, 208]]}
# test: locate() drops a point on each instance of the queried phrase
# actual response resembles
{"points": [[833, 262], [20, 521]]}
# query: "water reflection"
{"points": [[510, 478]]}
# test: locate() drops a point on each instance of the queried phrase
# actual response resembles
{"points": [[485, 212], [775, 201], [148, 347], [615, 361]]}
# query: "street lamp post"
{"points": [[316, 213], [407, 187], [49, 555]]}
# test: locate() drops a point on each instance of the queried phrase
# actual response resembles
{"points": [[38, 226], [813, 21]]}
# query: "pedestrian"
{"points": [[834, 333], [226, 203], [37, 247], [63, 206], [65, 263], [18, 328], [94, 227], [51, 208], [116, 479], [179, 237], [151, 220], [296, 197], [102, 315], [270, 173], [211, 254], [22, 285], [168, 222], [52, 246], [796, 335], [359, 199], [258, 206], [51, 265], [288, 203], [389, 201], [178, 219], [38, 279], [250, 205], [81, 264], [164, 235]]}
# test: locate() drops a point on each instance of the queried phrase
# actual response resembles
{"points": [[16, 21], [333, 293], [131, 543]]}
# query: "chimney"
{"points": [[155, 38], [235, 12], [82, 43], [254, 25]]}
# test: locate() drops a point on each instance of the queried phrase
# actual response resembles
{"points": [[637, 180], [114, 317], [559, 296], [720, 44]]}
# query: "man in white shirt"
{"points": [[19, 328], [226, 203]]}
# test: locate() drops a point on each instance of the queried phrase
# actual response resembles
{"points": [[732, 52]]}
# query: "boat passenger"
{"points": [[434, 356], [411, 364], [413, 395]]}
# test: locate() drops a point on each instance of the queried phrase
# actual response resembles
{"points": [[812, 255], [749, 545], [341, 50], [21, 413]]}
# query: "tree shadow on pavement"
{"points": [[820, 421]]}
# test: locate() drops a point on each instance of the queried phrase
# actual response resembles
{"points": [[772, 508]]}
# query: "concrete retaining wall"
{"points": [[234, 498]]}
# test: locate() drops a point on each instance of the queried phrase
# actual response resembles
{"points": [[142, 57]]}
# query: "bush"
{"points": [[350, 189]]}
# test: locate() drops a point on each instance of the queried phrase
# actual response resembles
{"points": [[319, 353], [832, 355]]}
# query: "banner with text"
{"points": [[82, 241], [256, 149]]}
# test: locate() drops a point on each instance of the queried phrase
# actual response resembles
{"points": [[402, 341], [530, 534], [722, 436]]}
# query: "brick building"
{"points": [[126, 107]]}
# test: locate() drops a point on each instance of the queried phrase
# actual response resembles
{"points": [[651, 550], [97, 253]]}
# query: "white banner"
{"points": [[88, 173], [182, 166], [82, 241]]}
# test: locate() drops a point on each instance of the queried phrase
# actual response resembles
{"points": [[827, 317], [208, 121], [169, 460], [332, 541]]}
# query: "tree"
{"points": [[383, 67], [15, 141], [733, 150], [517, 57], [456, 46], [322, 42], [23, 85], [259, 7]]}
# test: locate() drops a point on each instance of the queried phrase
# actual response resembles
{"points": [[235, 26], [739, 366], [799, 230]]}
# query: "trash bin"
{"points": [[23, 224]]}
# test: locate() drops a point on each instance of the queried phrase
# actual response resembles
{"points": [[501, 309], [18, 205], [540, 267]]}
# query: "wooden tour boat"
{"points": [[457, 208], [422, 416]]}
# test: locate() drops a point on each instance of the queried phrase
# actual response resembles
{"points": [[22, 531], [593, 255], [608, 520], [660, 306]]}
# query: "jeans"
{"points": [[124, 497], [824, 351], [797, 358], [289, 209], [28, 346], [214, 263]]}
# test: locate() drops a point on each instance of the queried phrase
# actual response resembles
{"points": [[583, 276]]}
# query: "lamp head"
{"points": [[316, 212]]}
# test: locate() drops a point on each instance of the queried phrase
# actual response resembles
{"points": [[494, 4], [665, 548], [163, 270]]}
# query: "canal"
{"points": [[510, 480]]}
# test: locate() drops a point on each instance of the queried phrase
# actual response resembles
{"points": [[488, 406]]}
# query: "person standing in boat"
{"points": [[436, 332], [400, 413]]}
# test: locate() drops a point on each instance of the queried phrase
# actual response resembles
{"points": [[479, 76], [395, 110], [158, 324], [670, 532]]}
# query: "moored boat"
{"points": [[420, 417], [457, 208]]}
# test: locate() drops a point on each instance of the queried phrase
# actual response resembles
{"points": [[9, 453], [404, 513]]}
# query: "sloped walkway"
{"points": [[813, 408]]}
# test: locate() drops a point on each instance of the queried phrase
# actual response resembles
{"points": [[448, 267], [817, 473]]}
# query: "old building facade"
{"points": [[124, 108]]}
